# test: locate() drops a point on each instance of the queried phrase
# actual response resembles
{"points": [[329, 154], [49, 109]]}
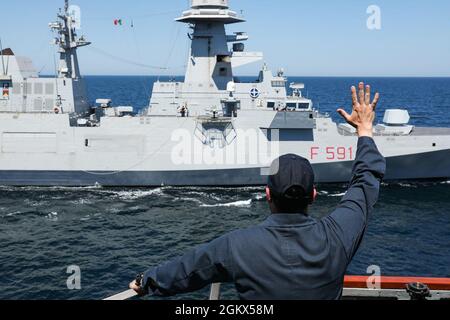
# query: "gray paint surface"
{"points": [[398, 168], [49, 135]]}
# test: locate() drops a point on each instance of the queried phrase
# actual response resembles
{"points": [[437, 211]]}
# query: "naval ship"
{"points": [[209, 130]]}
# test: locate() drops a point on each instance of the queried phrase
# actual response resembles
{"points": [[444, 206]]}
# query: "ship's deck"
{"points": [[364, 288], [417, 131], [428, 131]]}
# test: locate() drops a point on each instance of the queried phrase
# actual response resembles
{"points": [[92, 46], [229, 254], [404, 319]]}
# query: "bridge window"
{"points": [[291, 106], [278, 84]]}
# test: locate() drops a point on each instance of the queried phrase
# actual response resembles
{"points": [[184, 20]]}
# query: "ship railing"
{"points": [[365, 288]]}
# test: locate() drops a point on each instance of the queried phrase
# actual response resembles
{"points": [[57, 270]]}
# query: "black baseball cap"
{"points": [[291, 177]]}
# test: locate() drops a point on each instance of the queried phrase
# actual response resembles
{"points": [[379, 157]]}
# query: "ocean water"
{"points": [[113, 234]]}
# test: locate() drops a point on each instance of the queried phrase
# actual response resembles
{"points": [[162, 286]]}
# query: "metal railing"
{"points": [[214, 294], [390, 288]]}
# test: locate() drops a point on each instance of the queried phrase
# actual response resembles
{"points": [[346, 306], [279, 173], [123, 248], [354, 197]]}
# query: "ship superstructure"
{"points": [[28, 93], [214, 55], [209, 130]]}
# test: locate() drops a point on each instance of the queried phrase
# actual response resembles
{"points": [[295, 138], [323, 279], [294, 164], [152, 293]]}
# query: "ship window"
{"points": [[303, 105], [271, 105], [278, 84], [289, 134], [291, 106]]}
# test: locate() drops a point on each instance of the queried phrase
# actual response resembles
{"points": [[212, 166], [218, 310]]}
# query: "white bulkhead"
{"points": [[50, 135]]}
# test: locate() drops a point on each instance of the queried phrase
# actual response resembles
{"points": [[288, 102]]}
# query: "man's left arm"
{"points": [[207, 264]]}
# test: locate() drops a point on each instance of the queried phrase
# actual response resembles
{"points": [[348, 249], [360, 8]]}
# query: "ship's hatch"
{"points": [[291, 126], [29, 142], [215, 132]]}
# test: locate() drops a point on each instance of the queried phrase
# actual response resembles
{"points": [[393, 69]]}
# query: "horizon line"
{"points": [[253, 76]]}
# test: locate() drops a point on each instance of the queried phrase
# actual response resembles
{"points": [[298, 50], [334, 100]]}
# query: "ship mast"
{"points": [[3, 61], [68, 43], [209, 63]]}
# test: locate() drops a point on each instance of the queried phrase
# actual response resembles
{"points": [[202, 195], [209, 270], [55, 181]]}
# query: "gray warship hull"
{"points": [[146, 155], [209, 130], [398, 169]]}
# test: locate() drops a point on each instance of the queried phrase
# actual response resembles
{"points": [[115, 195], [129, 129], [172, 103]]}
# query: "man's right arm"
{"points": [[349, 220]]}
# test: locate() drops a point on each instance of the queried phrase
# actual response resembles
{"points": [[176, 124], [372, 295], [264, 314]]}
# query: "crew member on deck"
{"points": [[5, 90], [291, 255], [184, 111]]}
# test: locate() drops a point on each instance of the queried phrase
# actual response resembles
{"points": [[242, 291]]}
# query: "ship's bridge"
{"points": [[296, 102]]}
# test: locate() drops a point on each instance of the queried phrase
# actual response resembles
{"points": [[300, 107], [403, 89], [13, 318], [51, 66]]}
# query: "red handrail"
{"points": [[360, 282]]}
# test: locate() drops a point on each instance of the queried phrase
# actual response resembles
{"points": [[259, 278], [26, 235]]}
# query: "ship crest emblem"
{"points": [[254, 93]]}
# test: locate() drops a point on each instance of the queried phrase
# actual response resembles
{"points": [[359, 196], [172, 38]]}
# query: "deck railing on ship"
{"points": [[364, 288]]}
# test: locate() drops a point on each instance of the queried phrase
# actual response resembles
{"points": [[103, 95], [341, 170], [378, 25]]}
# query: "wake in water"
{"points": [[137, 194], [242, 203]]}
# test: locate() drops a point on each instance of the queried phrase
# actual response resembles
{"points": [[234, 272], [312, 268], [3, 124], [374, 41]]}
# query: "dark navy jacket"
{"points": [[289, 256]]}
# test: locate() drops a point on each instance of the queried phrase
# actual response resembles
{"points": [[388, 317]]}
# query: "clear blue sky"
{"points": [[305, 37]]}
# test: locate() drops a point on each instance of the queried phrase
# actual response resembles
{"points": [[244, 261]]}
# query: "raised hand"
{"points": [[363, 114]]}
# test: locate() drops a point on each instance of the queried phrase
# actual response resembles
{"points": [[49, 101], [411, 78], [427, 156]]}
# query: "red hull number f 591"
{"points": [[332, 153]]}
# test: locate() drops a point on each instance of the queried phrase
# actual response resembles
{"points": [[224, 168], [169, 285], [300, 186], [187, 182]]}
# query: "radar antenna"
{"points": [[68, 43]]}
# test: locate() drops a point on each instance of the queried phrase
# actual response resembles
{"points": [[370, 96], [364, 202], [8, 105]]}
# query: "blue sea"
{"points": [[113, 234]]}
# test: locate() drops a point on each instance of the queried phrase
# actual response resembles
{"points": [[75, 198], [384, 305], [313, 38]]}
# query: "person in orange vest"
{"points": [[5, 92]]}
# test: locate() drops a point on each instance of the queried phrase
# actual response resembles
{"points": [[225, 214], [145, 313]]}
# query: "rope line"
{"points": [[142, 65], [134, 17]]}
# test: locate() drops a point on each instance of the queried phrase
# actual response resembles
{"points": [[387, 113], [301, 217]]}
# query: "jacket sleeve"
{"points": [[207, 264], [349, 221]]}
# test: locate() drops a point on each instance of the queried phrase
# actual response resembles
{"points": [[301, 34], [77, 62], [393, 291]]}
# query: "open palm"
{"points": [[363, 113]]}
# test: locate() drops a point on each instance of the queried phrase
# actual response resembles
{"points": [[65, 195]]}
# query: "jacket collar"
{"points": [[288, 220]]}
